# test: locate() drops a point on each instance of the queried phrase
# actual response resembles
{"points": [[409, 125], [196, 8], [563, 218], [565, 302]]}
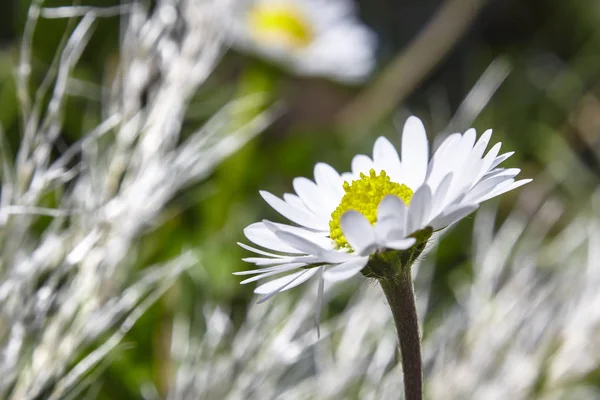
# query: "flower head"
{"points": [[311, 37], [388, 203]]}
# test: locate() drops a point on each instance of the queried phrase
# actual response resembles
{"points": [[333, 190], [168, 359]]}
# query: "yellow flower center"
{"points": [[364, 196], [280, 24]]}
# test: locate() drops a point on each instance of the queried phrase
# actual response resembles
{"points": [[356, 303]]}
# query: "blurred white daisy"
{"points": [[310, 37], [389, 202]]}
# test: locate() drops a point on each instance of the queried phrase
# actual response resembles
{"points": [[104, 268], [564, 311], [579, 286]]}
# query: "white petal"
{"points": [[304, 245], [468, 139], [358, 231], [391, 216], [275, 286], [482, 143], [361, 163], [346, 270], [320, 290], [415, 152], [485, 187], [263, 270], [273, 271], [295, 201], [328, 179], [452, 215], [401, 244], [441, 160], [391, 206], [342, 49], [316, 200], [465, 146], [501, 158], [258, 234], [383, 229], [294, 214], [263, 261], [259, 251], [418, 210], [455, 162], [508, 172], [471, 168], [308, 245], [386, 158], [348, 177], [319, 238], [503, 189], [439, 198], [488, 160]]}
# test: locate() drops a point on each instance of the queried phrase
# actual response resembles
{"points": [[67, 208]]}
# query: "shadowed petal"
{"points": [[282, 284], [402, 244], [419, 209], [273, 271], [452, 215], [345, 270], [357, 230]]}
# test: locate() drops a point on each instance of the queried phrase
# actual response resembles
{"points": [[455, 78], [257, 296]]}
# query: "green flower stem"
{"points": [[392, 269], [401, 299]]}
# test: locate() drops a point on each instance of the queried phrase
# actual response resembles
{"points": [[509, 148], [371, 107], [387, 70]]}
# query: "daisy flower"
{"points": [[389, 204], [310, 37]]}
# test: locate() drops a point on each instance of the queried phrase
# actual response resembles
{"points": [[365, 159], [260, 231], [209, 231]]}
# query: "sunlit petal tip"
{"points": [[483, 141], [415, 152], [471, 132], [495, 149], [382, 147], [501, 158], [362, 163], [324, 173], [414, 121], [386, 158]]}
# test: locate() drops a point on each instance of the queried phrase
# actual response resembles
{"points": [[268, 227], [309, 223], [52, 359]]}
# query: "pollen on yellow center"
{"points": [[364, 196], [280, 24]]}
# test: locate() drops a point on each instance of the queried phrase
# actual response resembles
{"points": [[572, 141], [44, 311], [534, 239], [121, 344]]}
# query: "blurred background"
{"points": [[507, 297]]}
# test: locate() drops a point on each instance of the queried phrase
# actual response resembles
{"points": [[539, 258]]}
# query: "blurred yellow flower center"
{"points": [[280, 24], [364, 196]]}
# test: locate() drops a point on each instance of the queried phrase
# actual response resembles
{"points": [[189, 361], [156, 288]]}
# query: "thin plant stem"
{"points": [[401, 299]]}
